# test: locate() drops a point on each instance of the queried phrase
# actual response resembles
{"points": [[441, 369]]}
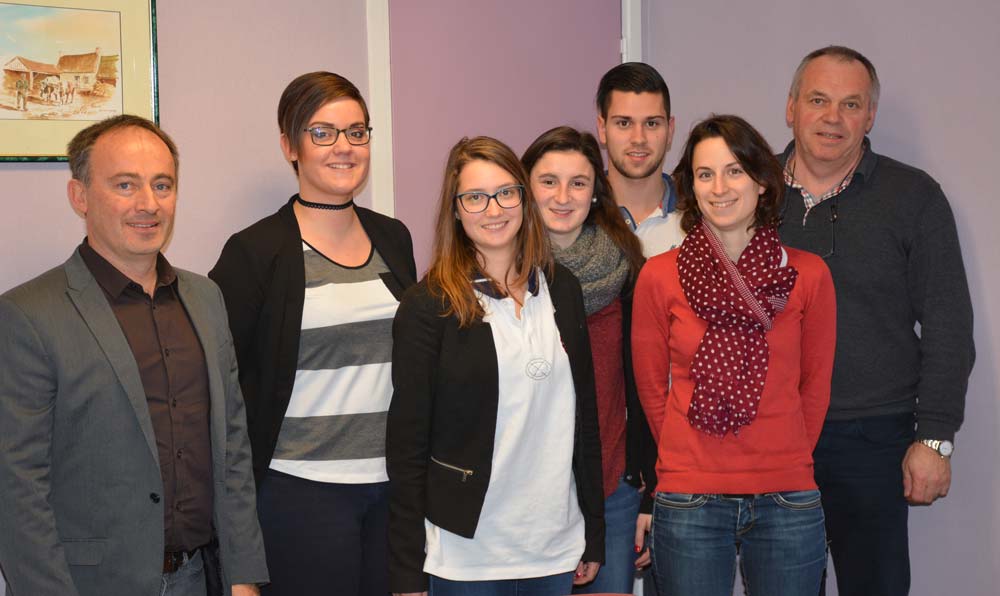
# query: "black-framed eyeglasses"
{"points": [[328, 135], [833, 228], [507, 197]]}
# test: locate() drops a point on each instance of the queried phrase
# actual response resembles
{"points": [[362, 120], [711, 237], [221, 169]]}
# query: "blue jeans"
{"points": [[550, 585], [324, 538], [188, 580], [859, 470], [617, 575], [779, 537]]}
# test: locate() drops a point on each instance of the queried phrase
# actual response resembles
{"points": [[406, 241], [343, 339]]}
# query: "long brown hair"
{"points": [[754, 154], [454, 261], [605, 213]]}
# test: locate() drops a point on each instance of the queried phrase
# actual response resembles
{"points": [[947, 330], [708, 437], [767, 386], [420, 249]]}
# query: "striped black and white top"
{"points": [[334, 428]]}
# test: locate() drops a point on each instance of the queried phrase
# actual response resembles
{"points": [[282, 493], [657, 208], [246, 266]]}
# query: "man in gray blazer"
{"points": [[123, 449]]}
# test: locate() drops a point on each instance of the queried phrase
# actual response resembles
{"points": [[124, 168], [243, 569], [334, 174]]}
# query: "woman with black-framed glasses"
{"points": [[493, 450], [311, 292]]}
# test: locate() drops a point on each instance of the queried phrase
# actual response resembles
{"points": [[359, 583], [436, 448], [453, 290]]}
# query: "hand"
{"points": [[585, 573], [926, 475], [643, 525], [245, 590]]}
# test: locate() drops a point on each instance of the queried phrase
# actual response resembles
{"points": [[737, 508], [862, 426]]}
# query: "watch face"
{"points": [[945, 448]]}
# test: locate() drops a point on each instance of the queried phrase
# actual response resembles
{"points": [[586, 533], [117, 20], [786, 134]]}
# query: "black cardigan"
{"points": [[262, 276], [444, 404], [640, 447]]}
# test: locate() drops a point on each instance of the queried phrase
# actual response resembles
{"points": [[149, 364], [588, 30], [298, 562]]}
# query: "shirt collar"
{"points": [[484, 285], [667, 204], [864, 167], [113, 281]]}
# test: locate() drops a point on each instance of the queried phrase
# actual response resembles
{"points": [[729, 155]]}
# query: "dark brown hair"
{"points": [[455, 257], [634, 77], [753, 153], [307, 94], [605, 213], [79, 147]]}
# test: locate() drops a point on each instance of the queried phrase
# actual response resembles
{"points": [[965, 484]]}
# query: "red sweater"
{"points": [[605, 328], [774, 452]]}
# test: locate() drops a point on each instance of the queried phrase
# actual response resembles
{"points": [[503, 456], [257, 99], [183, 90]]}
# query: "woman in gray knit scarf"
{"points": [[590, 238]]}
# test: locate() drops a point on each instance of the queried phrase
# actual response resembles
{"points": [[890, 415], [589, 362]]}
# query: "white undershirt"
{"points": [[531, 525]]}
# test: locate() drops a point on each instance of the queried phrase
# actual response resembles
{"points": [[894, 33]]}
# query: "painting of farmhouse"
{"points": [[59, 63]]}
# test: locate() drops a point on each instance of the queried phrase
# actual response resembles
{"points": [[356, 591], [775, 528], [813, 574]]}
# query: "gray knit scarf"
{"points": [[598, 263]]}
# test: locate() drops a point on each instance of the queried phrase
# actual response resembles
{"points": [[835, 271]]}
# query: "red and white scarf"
{"points": [[739, 301]]}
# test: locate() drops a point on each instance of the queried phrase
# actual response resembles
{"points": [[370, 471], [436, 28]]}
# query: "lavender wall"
{"points": [[508, 69], [940, 92], [222, 67]]}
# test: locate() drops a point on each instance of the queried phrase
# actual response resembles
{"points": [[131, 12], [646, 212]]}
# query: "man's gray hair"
{"points": [[843, 54]]}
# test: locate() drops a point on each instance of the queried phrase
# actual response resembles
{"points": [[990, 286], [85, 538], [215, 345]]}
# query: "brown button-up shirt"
{"points": [[174, 376]]}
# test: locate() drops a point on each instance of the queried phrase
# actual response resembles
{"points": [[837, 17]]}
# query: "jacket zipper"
{"points": [[465, 473]]}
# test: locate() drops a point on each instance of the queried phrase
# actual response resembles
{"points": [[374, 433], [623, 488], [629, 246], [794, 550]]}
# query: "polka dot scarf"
{"points": [[739, 301]]}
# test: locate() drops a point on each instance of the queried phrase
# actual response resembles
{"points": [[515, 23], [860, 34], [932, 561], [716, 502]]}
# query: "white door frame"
{"points": [[631, 30], [380, 106]]}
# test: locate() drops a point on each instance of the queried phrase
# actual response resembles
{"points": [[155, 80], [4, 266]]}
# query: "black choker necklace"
{"points": [[312, 205]]}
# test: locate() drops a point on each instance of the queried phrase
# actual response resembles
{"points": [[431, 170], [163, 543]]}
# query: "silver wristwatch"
{"points": [[944, 448]]}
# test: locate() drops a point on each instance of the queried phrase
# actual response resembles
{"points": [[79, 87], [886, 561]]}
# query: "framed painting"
{"points": [[69, 63]]}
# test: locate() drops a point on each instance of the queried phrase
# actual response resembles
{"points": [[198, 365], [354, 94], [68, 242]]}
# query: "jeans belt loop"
{"points": [[174, 561]]}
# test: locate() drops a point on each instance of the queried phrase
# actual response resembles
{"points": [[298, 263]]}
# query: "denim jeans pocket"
{"points": [[680, 500], [797, 499]]}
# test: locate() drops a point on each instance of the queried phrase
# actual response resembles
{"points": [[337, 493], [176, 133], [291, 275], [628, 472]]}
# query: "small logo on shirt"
{"points": [[538, 368]]}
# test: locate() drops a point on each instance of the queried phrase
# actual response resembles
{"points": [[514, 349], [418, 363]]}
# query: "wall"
{"points": [[222, 67], [940, 91], [509, 69]]}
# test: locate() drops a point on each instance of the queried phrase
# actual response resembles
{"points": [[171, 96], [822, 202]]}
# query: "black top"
{"points": [[444, 404], [262, 276], [896, 263]]}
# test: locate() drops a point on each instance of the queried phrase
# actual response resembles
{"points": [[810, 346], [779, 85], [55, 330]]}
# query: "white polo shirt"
{"points": [[531, 524], [661, 230]]}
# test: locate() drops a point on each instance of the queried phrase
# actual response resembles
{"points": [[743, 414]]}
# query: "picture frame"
{"points": [[65, 64]]}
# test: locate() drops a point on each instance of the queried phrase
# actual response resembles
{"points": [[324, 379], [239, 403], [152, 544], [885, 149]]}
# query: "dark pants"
{"points": [[859, 472], [550, 585], [323, 538]]}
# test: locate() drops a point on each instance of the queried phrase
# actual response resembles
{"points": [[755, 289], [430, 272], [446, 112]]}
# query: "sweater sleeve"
{"points": [[238, 276], [650, 342], [416, 334], [939, 293], [819, 336]]}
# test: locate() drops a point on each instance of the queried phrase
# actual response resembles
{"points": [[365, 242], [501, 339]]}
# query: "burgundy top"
{"points": [[605, 328], [175, 378]]}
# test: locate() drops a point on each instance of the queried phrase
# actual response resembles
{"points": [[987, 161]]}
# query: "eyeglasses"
{"points": [[507, 197], [833, 229], [328, 135]]}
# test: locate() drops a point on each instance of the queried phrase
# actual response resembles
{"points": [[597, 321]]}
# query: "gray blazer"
{"points": [[80, 506]]}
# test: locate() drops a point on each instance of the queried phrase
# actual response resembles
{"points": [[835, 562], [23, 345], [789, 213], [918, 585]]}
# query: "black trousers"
{"points": [[323, 538], [859, 472]]}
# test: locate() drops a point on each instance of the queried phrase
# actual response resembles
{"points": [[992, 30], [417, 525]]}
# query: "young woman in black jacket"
{"points": [[493, 448], [311, 292]]}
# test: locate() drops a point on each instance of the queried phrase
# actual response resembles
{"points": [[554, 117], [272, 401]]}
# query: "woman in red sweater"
{"points": [[732, 342]]}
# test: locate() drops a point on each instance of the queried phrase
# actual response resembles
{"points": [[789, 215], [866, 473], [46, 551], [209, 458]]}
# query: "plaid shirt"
{"points": [[807, 197]]}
